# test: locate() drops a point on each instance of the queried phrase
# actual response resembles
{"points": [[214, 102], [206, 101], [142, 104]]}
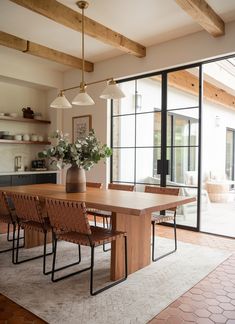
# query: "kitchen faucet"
{"points": [[18, 160]]}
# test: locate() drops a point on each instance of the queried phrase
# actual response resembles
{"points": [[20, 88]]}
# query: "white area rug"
{"points": [[137, 300]]}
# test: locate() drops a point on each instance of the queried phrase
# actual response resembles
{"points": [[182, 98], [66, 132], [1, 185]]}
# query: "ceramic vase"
{"points": [[75, 179]]}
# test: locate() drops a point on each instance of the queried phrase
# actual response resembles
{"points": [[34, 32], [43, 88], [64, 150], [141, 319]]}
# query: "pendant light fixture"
{"points": [[112, 91]]}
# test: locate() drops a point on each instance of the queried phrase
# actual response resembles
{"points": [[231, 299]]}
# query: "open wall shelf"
{"points": [[25, 120], [4, 141]]}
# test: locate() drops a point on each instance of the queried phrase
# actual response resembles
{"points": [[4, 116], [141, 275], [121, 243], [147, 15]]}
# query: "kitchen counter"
{"points": [[27, 172]]}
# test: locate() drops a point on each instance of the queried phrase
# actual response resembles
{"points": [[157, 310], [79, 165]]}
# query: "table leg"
{"points": [[35, 238], [138, 230]]}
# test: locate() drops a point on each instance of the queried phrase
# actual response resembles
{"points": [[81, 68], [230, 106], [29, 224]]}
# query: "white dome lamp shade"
{"points": [[112, 91], [82, 98], [61, 102]]}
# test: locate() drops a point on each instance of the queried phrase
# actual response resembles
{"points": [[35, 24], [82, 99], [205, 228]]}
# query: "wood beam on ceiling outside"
{"points": [[204, 15], [188, 82], [61, 14], [29, 47]]}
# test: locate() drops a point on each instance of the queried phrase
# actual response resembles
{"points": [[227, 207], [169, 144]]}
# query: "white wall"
{"points": [[27, 68], [214, 139]]}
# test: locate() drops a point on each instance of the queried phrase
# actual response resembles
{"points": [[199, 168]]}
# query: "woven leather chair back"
{"points": [[117, 186], [68, 216], [163, 191], [27, 207], [4, 207], [94, 185]]}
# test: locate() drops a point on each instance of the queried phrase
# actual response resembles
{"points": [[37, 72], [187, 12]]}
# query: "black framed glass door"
{"points": [[181, 152], [156, 135], [136, 133]]}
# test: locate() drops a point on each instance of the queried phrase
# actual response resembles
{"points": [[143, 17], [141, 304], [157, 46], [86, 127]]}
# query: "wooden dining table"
{"points": [[131, 212]]}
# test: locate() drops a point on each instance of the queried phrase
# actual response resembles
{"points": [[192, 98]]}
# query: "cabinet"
{"points": [[23, 120], [46, 178], [23, 179], [5, 181], [26, 179]]}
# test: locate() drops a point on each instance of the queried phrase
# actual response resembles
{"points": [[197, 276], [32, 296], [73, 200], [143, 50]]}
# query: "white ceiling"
{"points": [[147, 22]]}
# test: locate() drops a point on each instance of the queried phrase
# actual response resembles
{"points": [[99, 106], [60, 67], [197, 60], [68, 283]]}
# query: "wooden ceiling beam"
{"points": [[35, 49], [188, 82], [61, 14], [204, 15]]}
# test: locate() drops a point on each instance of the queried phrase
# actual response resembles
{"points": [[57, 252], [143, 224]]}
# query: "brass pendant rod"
{"points": [[83, 60], [86, 84]]}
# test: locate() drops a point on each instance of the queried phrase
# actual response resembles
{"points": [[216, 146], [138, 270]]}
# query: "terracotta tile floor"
{"points": [[212, 300]]}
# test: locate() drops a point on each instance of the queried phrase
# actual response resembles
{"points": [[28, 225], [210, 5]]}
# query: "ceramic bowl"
{"points": [[26, 137], [18, 137], [34, 137]]}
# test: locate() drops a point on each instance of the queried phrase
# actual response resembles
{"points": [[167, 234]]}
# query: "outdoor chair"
{"points": [[70, 223], [158, 218]]}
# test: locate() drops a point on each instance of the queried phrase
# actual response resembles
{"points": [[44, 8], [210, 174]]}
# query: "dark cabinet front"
{"points": [[23, 179], [27, 179], [46, 178], [5, 181]]}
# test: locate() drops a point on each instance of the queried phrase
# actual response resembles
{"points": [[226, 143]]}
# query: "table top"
{"points": [[125, 202]]}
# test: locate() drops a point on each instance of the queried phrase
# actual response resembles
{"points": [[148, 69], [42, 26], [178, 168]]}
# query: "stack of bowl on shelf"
{"points": [[21, 137]]}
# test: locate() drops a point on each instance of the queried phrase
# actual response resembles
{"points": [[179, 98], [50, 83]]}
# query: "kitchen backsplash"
{"points": [[9, 151]]}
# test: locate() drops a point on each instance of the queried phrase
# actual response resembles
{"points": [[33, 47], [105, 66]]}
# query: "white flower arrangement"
{"points": [[83, 152]]}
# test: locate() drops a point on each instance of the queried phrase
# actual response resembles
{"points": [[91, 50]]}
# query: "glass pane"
{"points": [[229, 154], [194, 132], [124, 131], [179, 164], [146, 165], [180, 131], [148, 95], [127, 104], [148, 129], [193, 159], [187, 214], [123, 165], [140, 187], [183, 89]]}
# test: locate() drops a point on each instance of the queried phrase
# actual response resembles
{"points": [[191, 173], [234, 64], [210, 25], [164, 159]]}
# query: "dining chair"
{"points": [[168, 215], [92, 211], [106, 215], [70, 223], [94, 185], [7, 216], [30, 216]]}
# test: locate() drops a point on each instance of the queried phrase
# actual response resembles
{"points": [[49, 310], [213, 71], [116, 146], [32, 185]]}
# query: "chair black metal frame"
{"points": [[91, 244], [163, 218], [153, 241], [11, 221], [91, 268], [26, 205]]}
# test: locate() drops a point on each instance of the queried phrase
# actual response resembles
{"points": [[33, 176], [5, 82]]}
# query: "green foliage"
{"points": [[83, 152]]}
